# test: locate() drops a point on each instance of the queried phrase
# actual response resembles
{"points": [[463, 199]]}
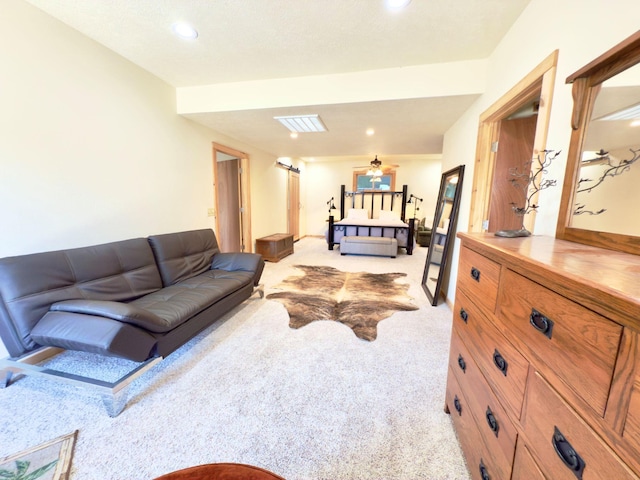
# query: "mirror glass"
{"points": [[607, 190], [442, 232]]}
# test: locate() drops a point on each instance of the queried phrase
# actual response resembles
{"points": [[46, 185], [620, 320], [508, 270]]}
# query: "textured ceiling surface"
{"points": [[241, 40]]}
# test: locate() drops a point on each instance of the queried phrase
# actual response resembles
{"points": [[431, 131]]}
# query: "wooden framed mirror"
{"points": [[442, 232], [603, 175]]}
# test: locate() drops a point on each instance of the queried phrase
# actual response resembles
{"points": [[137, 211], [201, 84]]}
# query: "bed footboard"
{"points": [[403, 235]]}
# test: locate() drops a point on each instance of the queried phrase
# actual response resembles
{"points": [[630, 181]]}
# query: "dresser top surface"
{"points": [[599, 276]]}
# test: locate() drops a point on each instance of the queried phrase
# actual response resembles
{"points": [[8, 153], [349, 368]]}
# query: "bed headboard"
{"points": [[374, 201]]}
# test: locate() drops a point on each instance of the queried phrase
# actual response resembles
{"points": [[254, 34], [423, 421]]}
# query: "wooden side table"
{"points": [[275, 247], [221, 471]]}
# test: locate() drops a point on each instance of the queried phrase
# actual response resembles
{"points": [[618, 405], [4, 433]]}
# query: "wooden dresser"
{"points": [[544, 367], [275, 247]]}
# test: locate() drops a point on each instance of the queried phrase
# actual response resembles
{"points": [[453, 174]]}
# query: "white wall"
{"points": [[581, 30]]}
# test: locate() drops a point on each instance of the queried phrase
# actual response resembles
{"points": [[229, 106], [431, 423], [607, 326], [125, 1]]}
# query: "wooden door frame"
{"points": [[538, 83], [245, 190]]}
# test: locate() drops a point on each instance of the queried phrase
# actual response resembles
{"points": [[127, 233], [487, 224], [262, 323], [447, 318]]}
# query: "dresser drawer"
{"points": [[631, 432], [472, 442], [524, 466], [478, 277], [499, 434], [554, 432], [503, 366], [566, 340]]}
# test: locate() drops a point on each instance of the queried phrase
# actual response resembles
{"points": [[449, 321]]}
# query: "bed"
{"points": [[373, 213]]}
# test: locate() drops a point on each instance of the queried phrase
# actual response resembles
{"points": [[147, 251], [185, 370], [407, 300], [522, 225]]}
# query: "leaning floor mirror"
{"points": [[442, 232]]}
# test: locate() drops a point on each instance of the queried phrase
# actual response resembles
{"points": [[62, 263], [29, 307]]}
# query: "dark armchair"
{"points": [[423, 233]]}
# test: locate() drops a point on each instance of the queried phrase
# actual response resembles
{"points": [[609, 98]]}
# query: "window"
{"points": [[362, 181]]}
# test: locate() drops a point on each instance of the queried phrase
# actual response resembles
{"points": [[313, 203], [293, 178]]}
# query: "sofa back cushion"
{"points": [[183, 255], [29, 284]]}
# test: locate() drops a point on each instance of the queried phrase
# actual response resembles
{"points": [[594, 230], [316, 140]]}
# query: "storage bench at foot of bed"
{"points": [[384, 246]]}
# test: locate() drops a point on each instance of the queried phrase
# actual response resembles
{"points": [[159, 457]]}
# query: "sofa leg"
{"points": [[115, 402], [259, 289], [5, 378], [113, 393]]}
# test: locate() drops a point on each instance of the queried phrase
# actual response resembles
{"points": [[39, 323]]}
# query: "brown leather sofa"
{"points": [[139, 299]]}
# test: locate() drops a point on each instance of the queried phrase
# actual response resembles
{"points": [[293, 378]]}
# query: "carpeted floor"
{"points": [[311, 403]]}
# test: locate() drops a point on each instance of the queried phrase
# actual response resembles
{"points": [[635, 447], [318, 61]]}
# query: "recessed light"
{"points": [[293, 134], [184, 30], [635, 123], [397, 4], [370, 131]]}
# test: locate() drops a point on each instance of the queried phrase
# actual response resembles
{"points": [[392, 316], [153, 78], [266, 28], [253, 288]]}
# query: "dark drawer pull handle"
{"points": [[541, 323], [500, 362], [462, 364], [464, 315], [493, 423], [483, 472], [456, 404], [475, 274], [567, 454]]}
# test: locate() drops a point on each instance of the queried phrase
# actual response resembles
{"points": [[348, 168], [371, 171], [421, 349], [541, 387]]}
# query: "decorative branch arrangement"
{"points": [[611, 170], [530, 181]]}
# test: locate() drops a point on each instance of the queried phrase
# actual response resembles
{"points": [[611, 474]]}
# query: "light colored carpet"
{"points": [[312, 403]]}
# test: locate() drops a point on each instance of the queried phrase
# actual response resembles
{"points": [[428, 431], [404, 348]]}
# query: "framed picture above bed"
{"points": [[363, 182]]}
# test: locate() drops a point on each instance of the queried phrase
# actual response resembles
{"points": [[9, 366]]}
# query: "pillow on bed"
{"points": [[388, 215], [358, 214]]}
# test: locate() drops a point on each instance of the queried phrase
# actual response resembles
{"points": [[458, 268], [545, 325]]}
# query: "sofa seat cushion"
{"points": [[177, 303]]}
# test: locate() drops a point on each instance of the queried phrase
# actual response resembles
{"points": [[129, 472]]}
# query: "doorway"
{"points": [[231, 190], [293, 187], [513, 155], [504, 141]]}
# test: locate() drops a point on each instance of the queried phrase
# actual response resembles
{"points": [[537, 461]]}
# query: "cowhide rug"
{"points": [[359, 300]]}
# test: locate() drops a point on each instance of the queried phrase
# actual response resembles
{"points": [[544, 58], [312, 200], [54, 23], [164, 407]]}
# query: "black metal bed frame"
{"points": [[385, 198]]}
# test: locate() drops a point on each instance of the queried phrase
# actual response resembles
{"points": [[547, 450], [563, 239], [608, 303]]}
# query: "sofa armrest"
{"points": [[233, 261], [248, 262], [122, 312]]}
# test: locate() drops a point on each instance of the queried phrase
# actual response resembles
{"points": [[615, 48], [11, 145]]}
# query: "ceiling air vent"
{"points": [[302, 123]]}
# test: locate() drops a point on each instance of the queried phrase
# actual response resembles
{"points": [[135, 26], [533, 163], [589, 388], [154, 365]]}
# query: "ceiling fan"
{"points": [[376, 167]]}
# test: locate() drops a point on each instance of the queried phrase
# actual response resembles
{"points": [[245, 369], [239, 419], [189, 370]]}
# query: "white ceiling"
{"points": [[242, 40]]}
